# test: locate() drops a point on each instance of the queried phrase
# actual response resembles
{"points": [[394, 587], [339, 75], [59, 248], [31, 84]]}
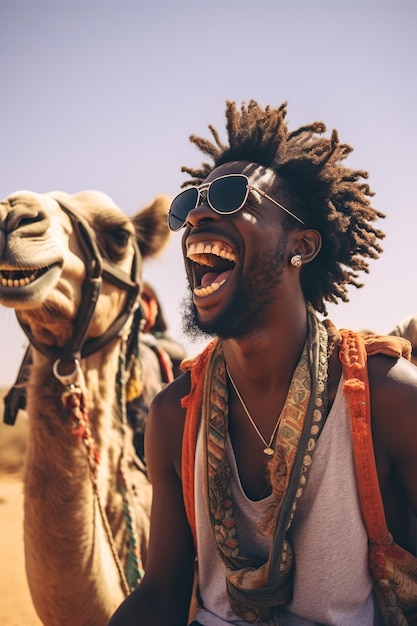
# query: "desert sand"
{"points": [[16, 607]]}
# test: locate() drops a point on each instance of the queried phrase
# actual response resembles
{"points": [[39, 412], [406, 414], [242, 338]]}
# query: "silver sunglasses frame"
{"points": [[249, 187]]}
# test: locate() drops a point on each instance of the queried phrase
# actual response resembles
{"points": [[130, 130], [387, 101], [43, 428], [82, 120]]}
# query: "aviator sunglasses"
{"points": [[225, 195]]}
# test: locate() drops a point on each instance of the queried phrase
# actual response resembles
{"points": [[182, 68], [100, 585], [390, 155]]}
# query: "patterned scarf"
{"points": [[254, 586]]}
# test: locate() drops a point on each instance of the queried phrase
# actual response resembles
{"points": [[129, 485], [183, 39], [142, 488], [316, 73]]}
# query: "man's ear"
{"points": [[308, 245]]}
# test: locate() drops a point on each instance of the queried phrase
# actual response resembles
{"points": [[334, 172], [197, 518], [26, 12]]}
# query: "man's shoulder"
{"points": [[171, 395], [393, 391], [384, 360]]}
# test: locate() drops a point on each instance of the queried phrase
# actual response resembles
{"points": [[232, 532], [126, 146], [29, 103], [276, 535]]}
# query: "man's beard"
{"points": [[243, 314]]}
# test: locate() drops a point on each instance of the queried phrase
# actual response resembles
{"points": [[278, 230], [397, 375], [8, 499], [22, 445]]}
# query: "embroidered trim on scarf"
{"points": [[256, 587]]}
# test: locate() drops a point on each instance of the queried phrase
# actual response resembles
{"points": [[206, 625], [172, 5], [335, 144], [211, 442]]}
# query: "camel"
{"points": [[70, 267]]}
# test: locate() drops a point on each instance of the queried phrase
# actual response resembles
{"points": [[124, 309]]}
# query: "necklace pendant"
{"points": [[269, 451]]}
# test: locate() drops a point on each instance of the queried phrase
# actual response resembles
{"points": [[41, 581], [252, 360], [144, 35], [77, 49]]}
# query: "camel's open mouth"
{"points": [[217, 256], [20, 278]]}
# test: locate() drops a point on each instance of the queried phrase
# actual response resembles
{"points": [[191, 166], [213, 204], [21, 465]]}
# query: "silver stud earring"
{"points": [[296, 260]]}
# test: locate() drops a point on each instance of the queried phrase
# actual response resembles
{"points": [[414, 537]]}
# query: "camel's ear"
{"points": [[151, 226]]}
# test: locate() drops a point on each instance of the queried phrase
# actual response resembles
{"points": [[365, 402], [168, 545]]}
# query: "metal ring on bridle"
{"points": [[67, 379]]}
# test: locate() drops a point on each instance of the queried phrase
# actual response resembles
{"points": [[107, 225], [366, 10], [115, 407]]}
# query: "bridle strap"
{"points": [[97, 268]]}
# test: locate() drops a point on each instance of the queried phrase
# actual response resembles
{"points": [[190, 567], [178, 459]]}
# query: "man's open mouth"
{"points": [[213, 262]]}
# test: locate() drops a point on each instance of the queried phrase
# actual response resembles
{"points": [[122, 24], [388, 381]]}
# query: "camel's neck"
{"points": [[66, 545], [53, 444]]}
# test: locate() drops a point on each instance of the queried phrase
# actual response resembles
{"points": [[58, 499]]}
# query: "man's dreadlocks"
{"points": [[317, 187]]}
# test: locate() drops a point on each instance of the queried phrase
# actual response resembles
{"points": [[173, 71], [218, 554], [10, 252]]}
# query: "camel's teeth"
{"points": [[17, 282]]}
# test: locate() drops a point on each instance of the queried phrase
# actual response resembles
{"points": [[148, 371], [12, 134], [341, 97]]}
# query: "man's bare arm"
{"points": [[393, 387]]}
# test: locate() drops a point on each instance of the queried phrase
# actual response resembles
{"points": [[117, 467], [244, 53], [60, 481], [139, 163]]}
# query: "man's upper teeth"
{"points": [[217, 249]]}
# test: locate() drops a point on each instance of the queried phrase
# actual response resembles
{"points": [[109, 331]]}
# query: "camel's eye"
{"points": [[114, 243], [121, 236]]}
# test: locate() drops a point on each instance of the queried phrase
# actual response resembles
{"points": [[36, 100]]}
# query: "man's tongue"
{"points": [[213, 277]]}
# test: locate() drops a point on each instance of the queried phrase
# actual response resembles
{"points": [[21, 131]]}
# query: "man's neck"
{"points": [[268, 355]]}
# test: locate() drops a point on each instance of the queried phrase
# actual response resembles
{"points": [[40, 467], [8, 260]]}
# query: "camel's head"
{"points": [[59, 251]]}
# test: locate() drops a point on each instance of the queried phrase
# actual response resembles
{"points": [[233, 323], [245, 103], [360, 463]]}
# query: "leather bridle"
{"points": [[78, 347], [96, 269]]}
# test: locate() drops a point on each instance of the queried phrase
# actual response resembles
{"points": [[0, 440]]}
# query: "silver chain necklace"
{"points": [[268, 450]]}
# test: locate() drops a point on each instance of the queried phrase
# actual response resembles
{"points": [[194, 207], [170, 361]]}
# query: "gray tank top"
{"points": [[332, 584]]}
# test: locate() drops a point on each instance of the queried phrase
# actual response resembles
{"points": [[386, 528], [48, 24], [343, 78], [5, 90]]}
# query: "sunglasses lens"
{"points": [[228, 194], [185, 202]]}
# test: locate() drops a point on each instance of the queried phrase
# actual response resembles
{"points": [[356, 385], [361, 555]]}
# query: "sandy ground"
{"points": [[16, 607]]}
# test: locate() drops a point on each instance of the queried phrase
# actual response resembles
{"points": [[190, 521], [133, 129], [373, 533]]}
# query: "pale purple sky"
{"points": [[103, 94]]}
